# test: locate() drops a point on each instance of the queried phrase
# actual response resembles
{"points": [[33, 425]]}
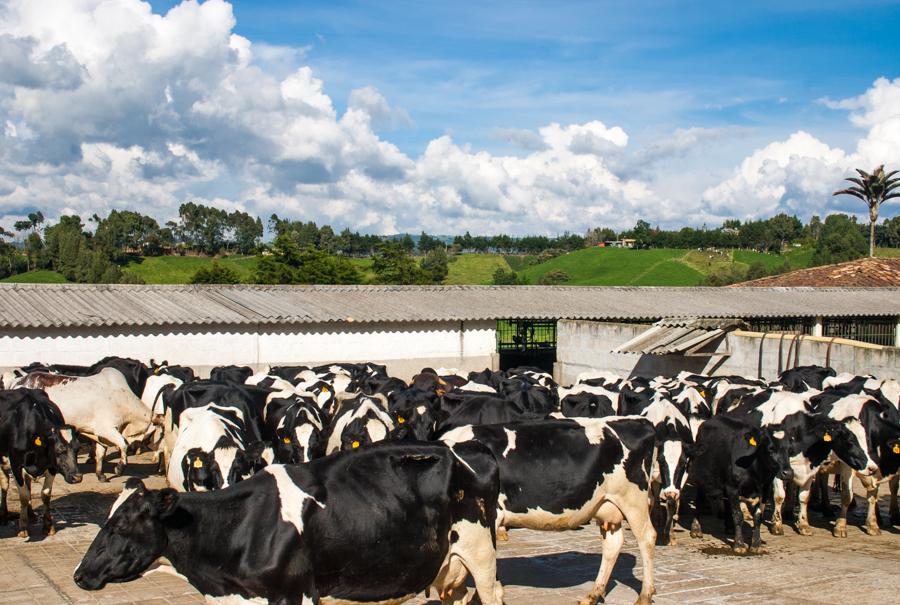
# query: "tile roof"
{"points": [[863, 273], [75, 305]]}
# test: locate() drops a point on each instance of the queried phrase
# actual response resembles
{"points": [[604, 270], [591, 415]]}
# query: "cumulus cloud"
{"points": [[799, 174], [105, 104]]}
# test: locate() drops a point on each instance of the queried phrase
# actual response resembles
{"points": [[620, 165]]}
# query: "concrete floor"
{"points": [[536, 568]]}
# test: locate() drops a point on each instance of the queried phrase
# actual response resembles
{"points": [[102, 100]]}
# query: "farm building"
{"points": [[750, 331]]}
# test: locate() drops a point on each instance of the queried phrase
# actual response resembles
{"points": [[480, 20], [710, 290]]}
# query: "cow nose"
{"points": [[76, 478], [871, 469], [671, 494], [79, 579]]}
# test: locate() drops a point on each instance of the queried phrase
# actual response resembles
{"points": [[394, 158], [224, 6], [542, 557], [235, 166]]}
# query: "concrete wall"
{"points": [[584, 345], [403, 347]]}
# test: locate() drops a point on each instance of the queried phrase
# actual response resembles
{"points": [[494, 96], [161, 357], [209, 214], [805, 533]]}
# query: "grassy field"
{"points": [[39, 276], [179, 269], [475, 268], [620, 267]]}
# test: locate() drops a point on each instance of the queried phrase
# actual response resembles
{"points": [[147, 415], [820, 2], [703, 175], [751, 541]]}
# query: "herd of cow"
{"points": [[342, 484]]}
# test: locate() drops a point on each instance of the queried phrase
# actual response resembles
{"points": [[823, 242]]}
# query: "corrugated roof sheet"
{"points": [[69, 305], [863, 273], [678, 335]]}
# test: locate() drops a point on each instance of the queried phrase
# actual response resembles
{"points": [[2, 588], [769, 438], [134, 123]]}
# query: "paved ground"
{"points": [[536, 568]]}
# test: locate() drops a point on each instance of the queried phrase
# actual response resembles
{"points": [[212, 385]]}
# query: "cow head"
{"points": [[841, 440], [675, 448], [65, 451], [298, 444], [201, 471], [419, 423], [133, 538], [757, 445], [247, 462]]}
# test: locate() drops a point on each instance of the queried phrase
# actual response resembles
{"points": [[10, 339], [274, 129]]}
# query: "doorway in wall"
{"points": [[527, 342]]}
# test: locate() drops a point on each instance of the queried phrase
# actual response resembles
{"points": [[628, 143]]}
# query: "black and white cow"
{"points": [[375, 525], [810, 440], [358, 421], [35, 442], [295, 427], [586, 401], [876, 428], [737, 462], [562, 474], [804, 378], [101, 407], [236, 374], [135, 372], [213, 449]]}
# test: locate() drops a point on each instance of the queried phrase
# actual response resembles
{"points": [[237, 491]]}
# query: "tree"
{"points": [[874, 189], [553, 278], [892, 232], [785, 228], [408, 244], [435, 265], [502, 277], [288, 263], [215, 273], [840, 241], [393, 265], [428, 243], [757, 270]]}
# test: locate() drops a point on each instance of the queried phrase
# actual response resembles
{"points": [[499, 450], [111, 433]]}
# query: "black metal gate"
{"points": [[527, 342]]}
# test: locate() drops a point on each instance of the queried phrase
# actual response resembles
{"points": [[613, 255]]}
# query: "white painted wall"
{"points": [[585, 345], [404, 347]]}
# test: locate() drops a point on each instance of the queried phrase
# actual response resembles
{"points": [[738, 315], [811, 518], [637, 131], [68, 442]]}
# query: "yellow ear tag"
{"points": [[286, 439], [401, 419], [896, 449], [37, 441], [325, 390], [198, 463], [826, 438], [753, 441], [355, 444], [702, 393]]}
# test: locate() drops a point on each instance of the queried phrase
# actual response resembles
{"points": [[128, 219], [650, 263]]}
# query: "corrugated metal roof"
{"points": [[678, 335], [65, 305]]}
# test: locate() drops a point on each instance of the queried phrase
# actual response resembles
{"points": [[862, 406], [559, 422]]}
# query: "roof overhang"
{"points": [[680, 336]]}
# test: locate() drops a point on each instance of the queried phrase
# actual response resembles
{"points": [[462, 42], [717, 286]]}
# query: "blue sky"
{"points": [[480, 116], [470, 67]]}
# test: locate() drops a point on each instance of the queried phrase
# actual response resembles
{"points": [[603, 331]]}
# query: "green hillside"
{"points": [[38, 276], [620, 267], [474, 268], [179, 269]]}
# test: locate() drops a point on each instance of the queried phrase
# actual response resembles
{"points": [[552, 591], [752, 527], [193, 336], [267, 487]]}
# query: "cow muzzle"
{"points": [[871, 469], [670, 493]]}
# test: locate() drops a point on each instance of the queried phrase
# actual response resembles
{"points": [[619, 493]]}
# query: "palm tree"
{"points": [[873, 189]]}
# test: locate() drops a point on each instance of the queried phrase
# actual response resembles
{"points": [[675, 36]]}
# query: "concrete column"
{"points": [[897, 333], [817, 327]]}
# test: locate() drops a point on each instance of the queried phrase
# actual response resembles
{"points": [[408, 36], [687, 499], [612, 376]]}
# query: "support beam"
{"points": [[897, 333], [818, 327]]}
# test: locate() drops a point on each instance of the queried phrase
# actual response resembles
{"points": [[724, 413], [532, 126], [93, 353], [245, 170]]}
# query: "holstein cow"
{"points": [[876, 429], [738, 462], [804, 378], [101, 407], [375, 525], [212, 450], [358, 421], [134, 371], [585, 401], [810, 440], [34, 442], [562, 474], [294, 426]]}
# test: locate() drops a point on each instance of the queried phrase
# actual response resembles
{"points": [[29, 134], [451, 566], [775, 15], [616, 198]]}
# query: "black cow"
{"points": [[462, 410], [562, 474], [237, 374], [294, 426], [738, 462], [804, 378], [377, 525], [34, 442]]}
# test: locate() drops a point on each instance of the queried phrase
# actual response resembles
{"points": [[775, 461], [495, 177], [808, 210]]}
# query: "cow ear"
{"points": [[166, 502]]}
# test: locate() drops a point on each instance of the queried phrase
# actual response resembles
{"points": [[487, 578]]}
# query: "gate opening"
{"points": [[527, 342]]}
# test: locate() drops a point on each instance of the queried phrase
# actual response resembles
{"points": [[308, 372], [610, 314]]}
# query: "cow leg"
{"points": [[4, 491], [778, 494], [99, 455], [46, 492], [840, 524], [733, 504], [23, 484], [756, 542], [824, 499], [122, 445], [671, 516], [696, 529], [871, 486], [613, 540], [638, 518], [475, 549], [803, 522], [895, 510]]}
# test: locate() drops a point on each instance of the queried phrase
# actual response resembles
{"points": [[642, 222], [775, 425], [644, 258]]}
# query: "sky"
{"points": [[385, 117]]}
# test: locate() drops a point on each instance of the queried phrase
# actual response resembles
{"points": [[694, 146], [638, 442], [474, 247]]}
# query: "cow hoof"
{"points": [[50, 530], [777, 530], [23, 533], [502, 535], [839, 532], [592, 599], [757, 550], [696, 531], [739, 549], [102, 478], [873, 530], [672, 541], [804, 530]]}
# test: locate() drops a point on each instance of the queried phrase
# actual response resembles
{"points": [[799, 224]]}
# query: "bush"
{"points": [[553, 278], [508, 278], [215, 274], [757, 270]]}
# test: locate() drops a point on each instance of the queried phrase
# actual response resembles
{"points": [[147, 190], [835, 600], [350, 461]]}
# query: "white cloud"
{"points": [[799, 174], [105, 104]]}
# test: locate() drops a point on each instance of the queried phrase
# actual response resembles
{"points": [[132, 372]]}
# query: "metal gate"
{"points": [[527, 342]]}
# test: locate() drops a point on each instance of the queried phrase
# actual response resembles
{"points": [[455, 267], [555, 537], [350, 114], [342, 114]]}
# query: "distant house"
{"points": [[730, 230], [620, 243]]}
